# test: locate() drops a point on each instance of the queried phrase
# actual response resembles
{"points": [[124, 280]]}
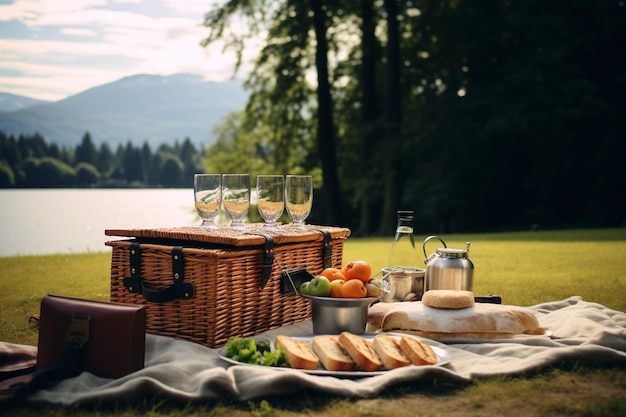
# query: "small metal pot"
{"points": [[336, 315], [402, 281]]}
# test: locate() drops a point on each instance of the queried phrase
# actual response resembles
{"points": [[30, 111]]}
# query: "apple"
{"points": [[335, 287], [319, 286], [304, 288]]}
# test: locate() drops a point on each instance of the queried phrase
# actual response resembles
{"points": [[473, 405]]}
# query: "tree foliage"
{"points": [[478, 115], [29, 162]]}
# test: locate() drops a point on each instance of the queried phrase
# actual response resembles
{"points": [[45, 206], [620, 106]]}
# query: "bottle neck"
{"points": [[402, 253], [405, 225]]}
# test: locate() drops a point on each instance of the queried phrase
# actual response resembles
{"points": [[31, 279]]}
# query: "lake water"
{"points": [[49, 221]]}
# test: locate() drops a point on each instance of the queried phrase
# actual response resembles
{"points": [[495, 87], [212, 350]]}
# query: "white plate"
{"points": [[443, 358]]}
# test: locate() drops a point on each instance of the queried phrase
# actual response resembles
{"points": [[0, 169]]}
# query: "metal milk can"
{"points": [[448, 269]]}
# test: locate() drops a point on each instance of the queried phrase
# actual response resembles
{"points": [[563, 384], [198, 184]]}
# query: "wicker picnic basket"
{"points": [[206, 285]]}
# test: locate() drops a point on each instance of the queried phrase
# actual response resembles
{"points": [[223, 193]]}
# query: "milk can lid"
{"points": [[452, 253]]}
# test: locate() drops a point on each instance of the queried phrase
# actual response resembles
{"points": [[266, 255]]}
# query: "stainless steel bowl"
{"points": [[336, 315]]}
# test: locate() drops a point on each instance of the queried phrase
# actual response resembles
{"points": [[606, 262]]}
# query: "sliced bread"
{"points": [[361, 350], [390, 353], [331, 354], [419, 353], [298, 353]]}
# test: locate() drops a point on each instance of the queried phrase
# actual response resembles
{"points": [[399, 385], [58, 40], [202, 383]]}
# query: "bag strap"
{"points": [[178, 289], [77, 336]]}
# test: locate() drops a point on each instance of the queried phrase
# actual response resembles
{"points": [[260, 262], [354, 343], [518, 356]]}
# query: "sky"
{"points": [[52, 49]]}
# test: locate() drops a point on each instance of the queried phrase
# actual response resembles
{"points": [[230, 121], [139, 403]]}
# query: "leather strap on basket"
{"points": [[268, 260], [328, 249], [178, 289]]}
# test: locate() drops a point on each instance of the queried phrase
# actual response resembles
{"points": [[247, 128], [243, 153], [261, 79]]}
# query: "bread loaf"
{"points": [[448, 299], [479, 321], [331, 354], [375, 315]]}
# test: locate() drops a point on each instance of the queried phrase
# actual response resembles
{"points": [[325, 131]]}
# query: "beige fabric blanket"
{"points": [[582, 331]]}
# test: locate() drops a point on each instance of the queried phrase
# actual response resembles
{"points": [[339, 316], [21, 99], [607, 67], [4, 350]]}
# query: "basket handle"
{"points": [[178, 290]]}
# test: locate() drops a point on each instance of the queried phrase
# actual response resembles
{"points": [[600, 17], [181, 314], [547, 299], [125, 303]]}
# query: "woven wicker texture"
{"points": [[228, 300], [250, 236]]}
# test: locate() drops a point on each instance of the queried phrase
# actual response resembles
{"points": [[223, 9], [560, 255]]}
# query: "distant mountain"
{"points": [[11, 102], [153, 108]]}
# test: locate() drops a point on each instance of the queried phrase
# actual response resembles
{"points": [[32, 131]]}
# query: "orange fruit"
{"points": [[333, 274], [360, 270], [335, 287], [354, 288]]}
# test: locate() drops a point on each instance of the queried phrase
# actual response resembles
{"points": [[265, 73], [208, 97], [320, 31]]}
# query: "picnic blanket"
{"points": [[583, 332]]}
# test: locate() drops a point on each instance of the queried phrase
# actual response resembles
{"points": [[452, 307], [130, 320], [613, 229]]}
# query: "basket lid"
{"points": [[253, 234]]}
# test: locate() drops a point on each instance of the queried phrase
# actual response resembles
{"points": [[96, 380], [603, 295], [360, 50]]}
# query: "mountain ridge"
{"points": [[153, 108], [13, 102]]}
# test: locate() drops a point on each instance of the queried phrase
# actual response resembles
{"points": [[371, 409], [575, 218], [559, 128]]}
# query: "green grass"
{"points": [[529, 268], [25, 280], [524, 268]]}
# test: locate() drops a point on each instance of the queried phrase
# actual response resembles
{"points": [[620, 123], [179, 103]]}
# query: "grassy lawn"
{"points": [[524, 268], [531, 267]]}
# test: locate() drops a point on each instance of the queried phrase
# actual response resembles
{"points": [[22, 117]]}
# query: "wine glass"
{"points": [[236, 198], [208, 197], [299, 198], [270, 190]]}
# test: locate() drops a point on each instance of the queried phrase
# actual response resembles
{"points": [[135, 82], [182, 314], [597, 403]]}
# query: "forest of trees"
{"points": [[31, 162], [478, 115]]}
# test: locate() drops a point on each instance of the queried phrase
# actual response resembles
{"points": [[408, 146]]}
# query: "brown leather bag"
{"points": [[110, 336], [75, 335]]}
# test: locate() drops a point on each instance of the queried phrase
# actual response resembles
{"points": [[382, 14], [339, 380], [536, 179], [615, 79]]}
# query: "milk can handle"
{"points": [[424, 245]]}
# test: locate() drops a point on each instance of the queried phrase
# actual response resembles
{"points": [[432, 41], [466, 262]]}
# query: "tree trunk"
{"points": [[325, 124], [370, 119], [393, 122]]}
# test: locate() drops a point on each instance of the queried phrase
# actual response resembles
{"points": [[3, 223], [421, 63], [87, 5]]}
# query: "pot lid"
{"points": [[452, 253]]}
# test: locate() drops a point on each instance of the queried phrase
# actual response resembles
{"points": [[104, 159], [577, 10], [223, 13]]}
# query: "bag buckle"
{"points": [[78, 331]]}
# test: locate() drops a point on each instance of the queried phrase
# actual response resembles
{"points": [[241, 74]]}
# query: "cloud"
{"points": [[78, 44], [31, 11], [78, 32], [188, 6]]}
